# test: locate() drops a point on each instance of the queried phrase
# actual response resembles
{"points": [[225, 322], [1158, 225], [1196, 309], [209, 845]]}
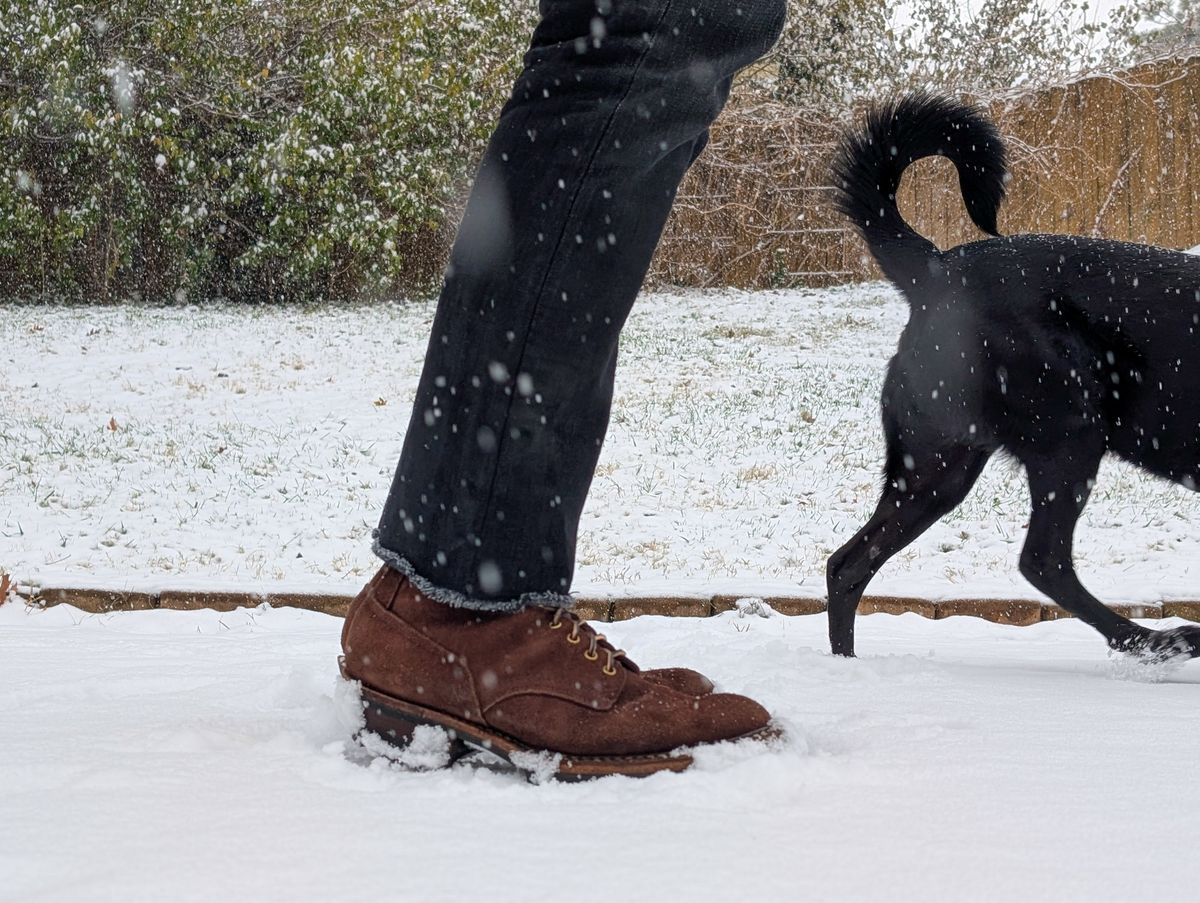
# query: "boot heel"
{"points": [[409, 740]]}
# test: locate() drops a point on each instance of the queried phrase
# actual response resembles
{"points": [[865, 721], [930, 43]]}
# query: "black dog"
{"points": [[1054, 349]]}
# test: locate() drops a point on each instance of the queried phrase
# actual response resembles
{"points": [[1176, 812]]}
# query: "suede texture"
{"points": [[520, 675], [685, 680]]}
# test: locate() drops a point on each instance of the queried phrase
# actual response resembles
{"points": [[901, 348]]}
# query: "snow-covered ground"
{"points": [[184, 756], [200, 756], [252, 447]]}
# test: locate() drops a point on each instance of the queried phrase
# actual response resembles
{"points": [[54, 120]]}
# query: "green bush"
{"points": [[248, 149]]}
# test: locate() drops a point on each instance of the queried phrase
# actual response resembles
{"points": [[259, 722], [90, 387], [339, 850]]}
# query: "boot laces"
{"points": [[597, 642]]}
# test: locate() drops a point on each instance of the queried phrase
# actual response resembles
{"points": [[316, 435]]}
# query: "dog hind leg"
{"points": [[1060, 490], [919, 489]]}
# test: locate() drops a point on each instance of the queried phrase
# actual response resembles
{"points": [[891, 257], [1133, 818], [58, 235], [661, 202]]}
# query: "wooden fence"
{"points": [[1114, 156]]}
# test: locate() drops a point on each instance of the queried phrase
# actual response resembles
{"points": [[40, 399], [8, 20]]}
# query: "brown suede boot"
{"points": [[528, 684], [685, 680]]}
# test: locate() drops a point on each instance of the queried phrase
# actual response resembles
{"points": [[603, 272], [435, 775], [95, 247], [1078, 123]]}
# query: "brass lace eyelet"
{"points": [[590, 655], [554, 625], [611, 672], [573, 639]]}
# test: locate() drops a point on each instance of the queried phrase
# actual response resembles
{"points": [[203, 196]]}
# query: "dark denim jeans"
{"points": [[612, 107]]}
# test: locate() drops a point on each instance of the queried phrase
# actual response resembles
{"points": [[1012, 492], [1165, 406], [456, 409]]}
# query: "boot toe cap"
{"points": [[683, 680], [728, 716]]}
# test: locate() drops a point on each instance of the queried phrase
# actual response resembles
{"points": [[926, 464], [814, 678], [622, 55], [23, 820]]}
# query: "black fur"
{"points": [[1054, 349]]}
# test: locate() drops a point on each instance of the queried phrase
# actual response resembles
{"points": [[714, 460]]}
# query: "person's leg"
{"points": [[571, 198]]}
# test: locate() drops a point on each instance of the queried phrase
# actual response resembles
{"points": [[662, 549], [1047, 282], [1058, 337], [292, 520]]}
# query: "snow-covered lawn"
{"points": [[183, 756], [204, 447]]}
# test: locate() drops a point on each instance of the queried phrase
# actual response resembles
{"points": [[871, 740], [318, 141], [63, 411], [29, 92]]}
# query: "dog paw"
{"points": [[1160, 646]]}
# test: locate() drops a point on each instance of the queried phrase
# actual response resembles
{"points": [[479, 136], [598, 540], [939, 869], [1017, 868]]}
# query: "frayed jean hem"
{"points": [[455, 599]]}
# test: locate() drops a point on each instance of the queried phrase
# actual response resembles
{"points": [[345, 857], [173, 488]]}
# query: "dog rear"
{"points": [[869, 163], [1055, 349]]}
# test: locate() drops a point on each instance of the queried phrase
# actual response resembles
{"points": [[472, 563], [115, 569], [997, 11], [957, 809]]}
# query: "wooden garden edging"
{"points": [[1020, 612]]}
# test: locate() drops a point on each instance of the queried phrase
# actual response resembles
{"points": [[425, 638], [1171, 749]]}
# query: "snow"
{"points": [[200, 756], [251, 448]]}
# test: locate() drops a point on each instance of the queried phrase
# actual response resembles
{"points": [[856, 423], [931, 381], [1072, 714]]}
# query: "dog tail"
{"points": [[868, 164]]}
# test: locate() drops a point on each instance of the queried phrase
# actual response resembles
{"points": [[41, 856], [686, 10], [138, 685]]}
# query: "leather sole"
{"points": [[396, 720]]}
